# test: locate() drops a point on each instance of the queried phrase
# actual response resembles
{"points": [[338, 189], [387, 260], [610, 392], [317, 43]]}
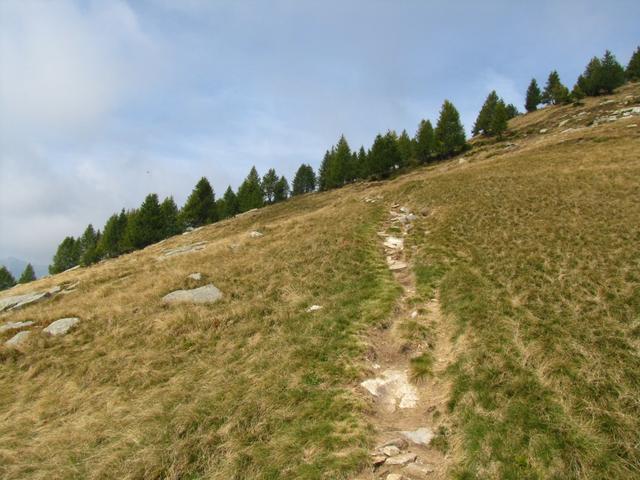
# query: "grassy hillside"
{"points": [[531, 244]]}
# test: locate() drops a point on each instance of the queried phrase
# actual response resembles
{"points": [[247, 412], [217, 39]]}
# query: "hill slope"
{"points": [[523, 270]]}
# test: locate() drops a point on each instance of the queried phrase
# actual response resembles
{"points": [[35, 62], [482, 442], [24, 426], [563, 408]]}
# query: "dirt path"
{"points": [[407, 413]]}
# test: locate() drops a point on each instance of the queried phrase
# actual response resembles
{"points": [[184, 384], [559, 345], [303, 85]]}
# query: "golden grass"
{"points": [[534, 250]]}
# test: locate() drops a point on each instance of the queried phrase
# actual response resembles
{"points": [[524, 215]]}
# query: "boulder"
{"points": [[393, 389], [18, 301], [14, 326], [401, 459], [194, 247], [62, 326], [18, 339], [207, 294], [255, 234]]}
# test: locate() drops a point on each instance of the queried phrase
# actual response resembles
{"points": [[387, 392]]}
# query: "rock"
{"points": [[14, 326], [193, 247], [563, 123], [18, 339], [395, 265], [255, 234], [632, 125], [402, 459], [414, 314], [390, 450], [207, 294], [544, 130], [393, 389], [462, 161], [62, 326], [418, 471], [195, 276], [18, 301], [394, 476], [421, 436], [394, 243], [378, 460], [72, 269], [313, 308], [399, 442]]}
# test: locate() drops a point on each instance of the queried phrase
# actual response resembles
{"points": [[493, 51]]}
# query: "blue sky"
{"points": [[102, 102]]}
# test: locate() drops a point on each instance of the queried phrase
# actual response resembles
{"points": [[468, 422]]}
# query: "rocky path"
{"points": [[407, 414]]}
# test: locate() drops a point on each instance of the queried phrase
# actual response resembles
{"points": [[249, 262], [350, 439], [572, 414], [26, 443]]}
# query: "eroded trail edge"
{"points": [[407, 384]]}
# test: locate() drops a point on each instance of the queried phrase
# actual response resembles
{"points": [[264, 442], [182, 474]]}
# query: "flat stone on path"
{"points": [[393, 389], [418, 471], [401, 459], [394, 243], [207, 294], [62, 326], [18, 339], [14, 326], [395, 265], [421, 436]]}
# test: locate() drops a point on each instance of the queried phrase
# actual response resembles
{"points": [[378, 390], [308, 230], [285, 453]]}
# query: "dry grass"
{"points": [[534, 250]]}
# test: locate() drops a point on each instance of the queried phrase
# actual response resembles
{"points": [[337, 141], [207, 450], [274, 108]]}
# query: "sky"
{"points": [[103, 102]]}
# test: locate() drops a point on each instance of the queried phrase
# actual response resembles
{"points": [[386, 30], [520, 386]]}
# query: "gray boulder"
{"points": [[14, 326], [18, 339], [207, 294], [62, 326]]}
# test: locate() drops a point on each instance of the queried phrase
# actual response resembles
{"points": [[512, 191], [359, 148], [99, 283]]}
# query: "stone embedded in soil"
{"points": [[313, 308], [62, 326], [255, 234], [402, 459], [194, 247], [399, 442], [207, 294], [16, 301], [195, 276], [18, 339], [394, 476], [394, 243], [378, 460], [390, 451], [395, 265], [14, 326], [421, 436], [393, 389]]}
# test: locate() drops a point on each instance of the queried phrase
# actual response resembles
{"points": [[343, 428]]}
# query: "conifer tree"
{"points": [[611, 74], [200, 207], [28, 275], [147, 225], [6, 279], [577, 93], [589, 80], [534, 97], [229, 204], [127, 243], [170, 218], [405, 147], [324, 172], [555, 93], [269, 181], [88, 246], [449, 133], [281, 191], [304, 180], [485, 117], [384, 155], [67, 256], [250, 194], [512, 111], [633, 68], [110, 244], [499, 119], [362, 164], [424, 142]]}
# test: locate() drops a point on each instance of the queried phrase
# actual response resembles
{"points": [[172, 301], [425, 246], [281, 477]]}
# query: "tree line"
{"points": [[390, 153], [7, 280]]}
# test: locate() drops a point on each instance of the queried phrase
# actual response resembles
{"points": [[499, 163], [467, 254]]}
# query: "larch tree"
{"points": [[200, 207], [485, 116], [28, 274], [449, 134], [250, 194], [269, 181], [147, 226], [67, 256], [89, 246], [281, 191], [424, 142], [304, 180], [171, 223], [534, 96], [555, 93], [6, 279], [632, 71], [230, 205]]}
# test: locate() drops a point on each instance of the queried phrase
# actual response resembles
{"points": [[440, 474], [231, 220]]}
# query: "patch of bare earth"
{"points": [[407, 412]]}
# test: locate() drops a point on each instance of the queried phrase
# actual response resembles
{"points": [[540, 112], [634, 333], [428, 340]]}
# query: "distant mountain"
{"points": [[16, 267]]}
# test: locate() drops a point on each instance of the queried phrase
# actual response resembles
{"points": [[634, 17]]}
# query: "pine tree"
{"points": [[269, 181], [88, 246], [362, 163], [67, 256], [250, 194], [590, 79], [633, 68], [304, 180], [485, 117], [229, 204], [147, 225], [577, 93], [110, 244], [611, 74], [449, 133], [170, 218], [324, 173], [6, 279], [28, 275], [282, 190], [555, 93], [512, 111], [405, 147], [534, 97], [424, 142], [384, 155], [127, 242], [499, 119], [200, 207]]}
